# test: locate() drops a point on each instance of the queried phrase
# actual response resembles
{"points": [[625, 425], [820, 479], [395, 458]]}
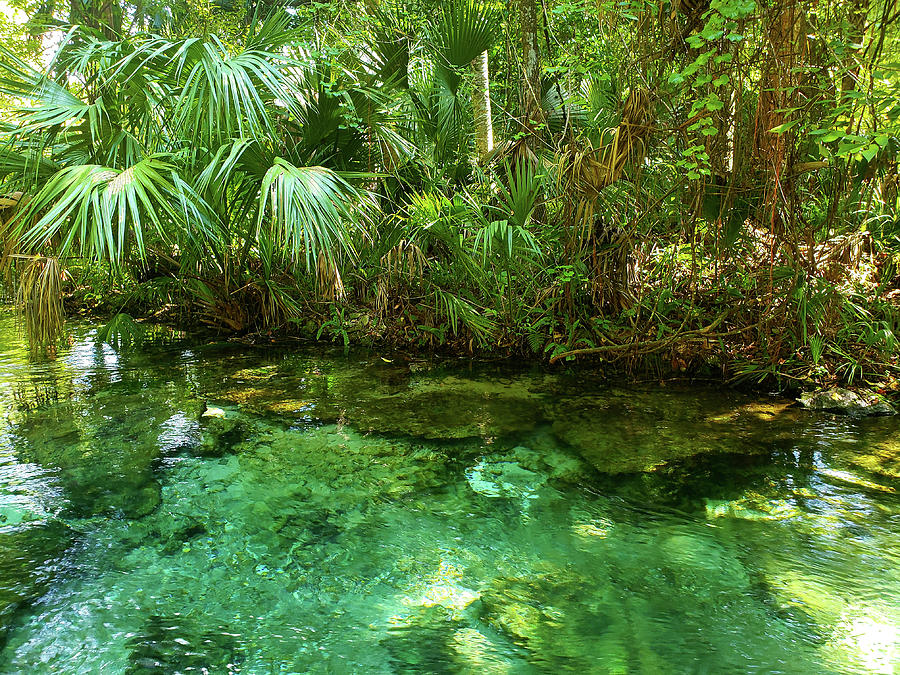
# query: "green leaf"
{"points": [[464, 29], [782, 128], [311, 209], [101, 210]]}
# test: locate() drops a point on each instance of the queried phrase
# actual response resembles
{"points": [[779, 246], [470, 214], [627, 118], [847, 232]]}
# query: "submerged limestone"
{"points": [[626, 431], [175, 645], [846, 402], [394, 401], [880, 457]]}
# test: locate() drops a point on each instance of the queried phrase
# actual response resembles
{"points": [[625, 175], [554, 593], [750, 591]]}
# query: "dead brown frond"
{"points": [[329, 284], [39, 299], [402, 264], [404, 259], [9, 204], [10, 200], [583, 172], [587, 170]]}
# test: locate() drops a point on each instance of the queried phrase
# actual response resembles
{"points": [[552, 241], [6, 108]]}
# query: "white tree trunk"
{"points": [[481, 105]]}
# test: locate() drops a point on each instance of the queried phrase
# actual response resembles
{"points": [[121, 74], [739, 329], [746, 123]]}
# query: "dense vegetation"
{"points": [[698, 186]]}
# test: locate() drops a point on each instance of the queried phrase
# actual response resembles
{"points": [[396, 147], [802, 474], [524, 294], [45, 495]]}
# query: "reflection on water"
{"points": [[206, 508]]}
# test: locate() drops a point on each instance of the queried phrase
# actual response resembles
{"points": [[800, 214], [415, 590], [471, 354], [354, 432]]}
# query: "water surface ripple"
{"points": [[206, 508]]}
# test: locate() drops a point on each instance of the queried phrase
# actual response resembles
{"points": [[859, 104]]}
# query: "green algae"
{"points": [[219, 510]]}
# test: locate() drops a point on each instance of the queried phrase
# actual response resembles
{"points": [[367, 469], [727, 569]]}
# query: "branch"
{"points": [[650, 346]]}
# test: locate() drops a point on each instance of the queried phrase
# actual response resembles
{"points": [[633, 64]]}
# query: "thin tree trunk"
{"points": [[481, 105], [858, 10], [781, 87], [103, 15], [531, 67]]}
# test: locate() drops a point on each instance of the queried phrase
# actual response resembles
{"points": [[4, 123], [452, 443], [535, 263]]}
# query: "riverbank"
{"points": [[714, 353]]}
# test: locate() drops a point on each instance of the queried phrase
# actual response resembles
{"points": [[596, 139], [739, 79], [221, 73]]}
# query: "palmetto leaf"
{"points": [[26, 165], [219, 95], [386, 56], [311, 209], [56, 104], [465, 28], [457, 310], [441, 115], [99, 210], [227, 96], [521, 193], [120, 329]]}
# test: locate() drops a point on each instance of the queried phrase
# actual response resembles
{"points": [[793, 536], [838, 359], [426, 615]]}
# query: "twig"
{"points": [[647, 347]]}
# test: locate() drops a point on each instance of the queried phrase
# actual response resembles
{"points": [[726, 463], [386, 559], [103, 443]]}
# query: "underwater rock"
{"points": [[448, 408], [553, 632], [503, 479], [478, 653], [181, 536], [813, 595], [846, 402], [30, 557], [339, 468], [141, 501], [222, 429], [548, 459], [17, 514], [751, 507], [881, 457], [628, 431], [424, 643], [443, 587], [394, 401]]}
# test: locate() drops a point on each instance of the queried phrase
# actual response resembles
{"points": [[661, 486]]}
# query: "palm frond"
{"points": [[119, 330], [39, 299], [520, 195], [459, 312], [311, 209], [97, 210], [464, 29]]}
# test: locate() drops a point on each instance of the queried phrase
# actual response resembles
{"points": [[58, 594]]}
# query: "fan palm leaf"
{"points": [[465, 29], [312, 211], [99, 210]]}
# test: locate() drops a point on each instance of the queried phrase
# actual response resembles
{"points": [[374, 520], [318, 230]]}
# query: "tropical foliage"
{"points": [[696, 185]]}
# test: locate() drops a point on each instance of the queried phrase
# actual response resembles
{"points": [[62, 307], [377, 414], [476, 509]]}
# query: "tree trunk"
{"points": [[531, 67], [781, 86], [481, 105], [858, 10], [102, 15]]}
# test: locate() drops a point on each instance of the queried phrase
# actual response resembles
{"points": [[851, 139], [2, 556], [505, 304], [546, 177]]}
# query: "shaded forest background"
{"points": [[702, 187]]}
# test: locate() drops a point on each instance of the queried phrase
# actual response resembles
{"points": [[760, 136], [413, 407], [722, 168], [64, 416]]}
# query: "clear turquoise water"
{"points": [[335, 514]]}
